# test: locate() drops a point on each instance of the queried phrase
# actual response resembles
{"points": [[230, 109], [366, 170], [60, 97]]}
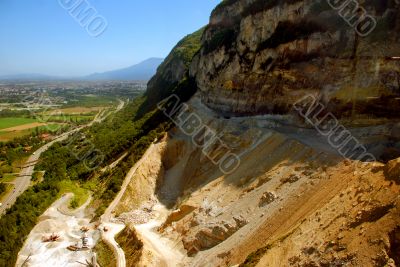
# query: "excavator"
{"points": [[84, 229], [51, 238]]}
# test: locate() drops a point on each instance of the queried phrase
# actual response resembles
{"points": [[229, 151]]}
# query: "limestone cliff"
{"points": [[174, 68], [259, 56], [293, 200]]}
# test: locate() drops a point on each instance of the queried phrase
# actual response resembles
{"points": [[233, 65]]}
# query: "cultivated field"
{"points": [[14, 122], [74, 110], [24, 127], [9, 134], [51, 120]]}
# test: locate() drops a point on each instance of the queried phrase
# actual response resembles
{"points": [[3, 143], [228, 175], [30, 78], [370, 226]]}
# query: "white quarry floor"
{"points": [[68, 228]]}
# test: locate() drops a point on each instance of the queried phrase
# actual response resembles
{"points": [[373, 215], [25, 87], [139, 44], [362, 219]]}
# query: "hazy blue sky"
{"points": [[40, 36]]}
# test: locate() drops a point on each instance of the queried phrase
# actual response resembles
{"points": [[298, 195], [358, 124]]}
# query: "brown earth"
{"points": [[292, 201]]}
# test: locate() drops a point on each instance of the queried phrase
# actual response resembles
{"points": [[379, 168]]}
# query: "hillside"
{"points": [[296, 198], [174, 69]]}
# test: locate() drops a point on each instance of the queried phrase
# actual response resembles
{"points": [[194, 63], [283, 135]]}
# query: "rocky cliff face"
{"points": [[174, 68], [260, 56], [293, 200]]}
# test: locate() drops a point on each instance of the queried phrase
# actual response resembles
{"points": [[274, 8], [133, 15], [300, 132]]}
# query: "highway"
{"points": [[23, 181]]}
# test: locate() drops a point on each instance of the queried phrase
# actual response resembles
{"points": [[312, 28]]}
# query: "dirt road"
{"points": [[164, 252], [109, 238], [105, 219]]}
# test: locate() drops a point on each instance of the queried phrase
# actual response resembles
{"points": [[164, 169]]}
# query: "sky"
{"points": [[41, 36]]}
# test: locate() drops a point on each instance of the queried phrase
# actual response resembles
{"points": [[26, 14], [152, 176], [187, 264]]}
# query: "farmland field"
{"points": [[75, 110], [13, 122], [6, 135], [67, 118], [23, 127], [49, 121], [76, 114]]}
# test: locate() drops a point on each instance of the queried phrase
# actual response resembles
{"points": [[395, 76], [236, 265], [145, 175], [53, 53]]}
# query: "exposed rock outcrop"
{"points": [[260, 56], [267, 198], [392, 170], [173, 70], [212, 234]]}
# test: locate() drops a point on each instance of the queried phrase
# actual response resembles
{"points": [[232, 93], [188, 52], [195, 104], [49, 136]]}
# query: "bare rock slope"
{"points": [[288, 203], [293, 200]]}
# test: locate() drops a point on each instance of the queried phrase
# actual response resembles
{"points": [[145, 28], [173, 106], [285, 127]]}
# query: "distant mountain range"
{"points": [[142, 71]]}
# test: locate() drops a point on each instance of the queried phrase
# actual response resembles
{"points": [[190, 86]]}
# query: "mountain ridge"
{"points": [[142, 71]]}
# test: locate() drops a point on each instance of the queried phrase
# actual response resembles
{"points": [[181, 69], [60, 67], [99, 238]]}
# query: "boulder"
{"points": [[267, 198], [291, 179], [392, 170], [212, 234], [178, 215]]}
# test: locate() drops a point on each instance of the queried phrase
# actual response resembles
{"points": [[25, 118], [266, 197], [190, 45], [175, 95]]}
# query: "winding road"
{"points": [[108, 238], [164, 251], [114, 229], [23, 181], [106, 217]]}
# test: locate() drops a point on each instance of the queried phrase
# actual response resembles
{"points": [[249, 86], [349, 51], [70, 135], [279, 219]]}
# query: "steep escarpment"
{"points": [[259, 57], [173, 70], [293, 199]]}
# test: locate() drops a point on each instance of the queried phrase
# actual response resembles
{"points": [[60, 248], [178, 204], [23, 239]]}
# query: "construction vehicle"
{"points": [[52, 238], [73, 248], [85, 241], [84, 229]]}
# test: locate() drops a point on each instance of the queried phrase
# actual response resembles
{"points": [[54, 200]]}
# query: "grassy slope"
{"points": [[188, 47], [7, 189], [131, 245], [105, 256]]}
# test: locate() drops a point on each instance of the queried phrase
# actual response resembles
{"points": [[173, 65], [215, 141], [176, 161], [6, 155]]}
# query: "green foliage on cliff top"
{"points": [[166, 79], [188, 47]]}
